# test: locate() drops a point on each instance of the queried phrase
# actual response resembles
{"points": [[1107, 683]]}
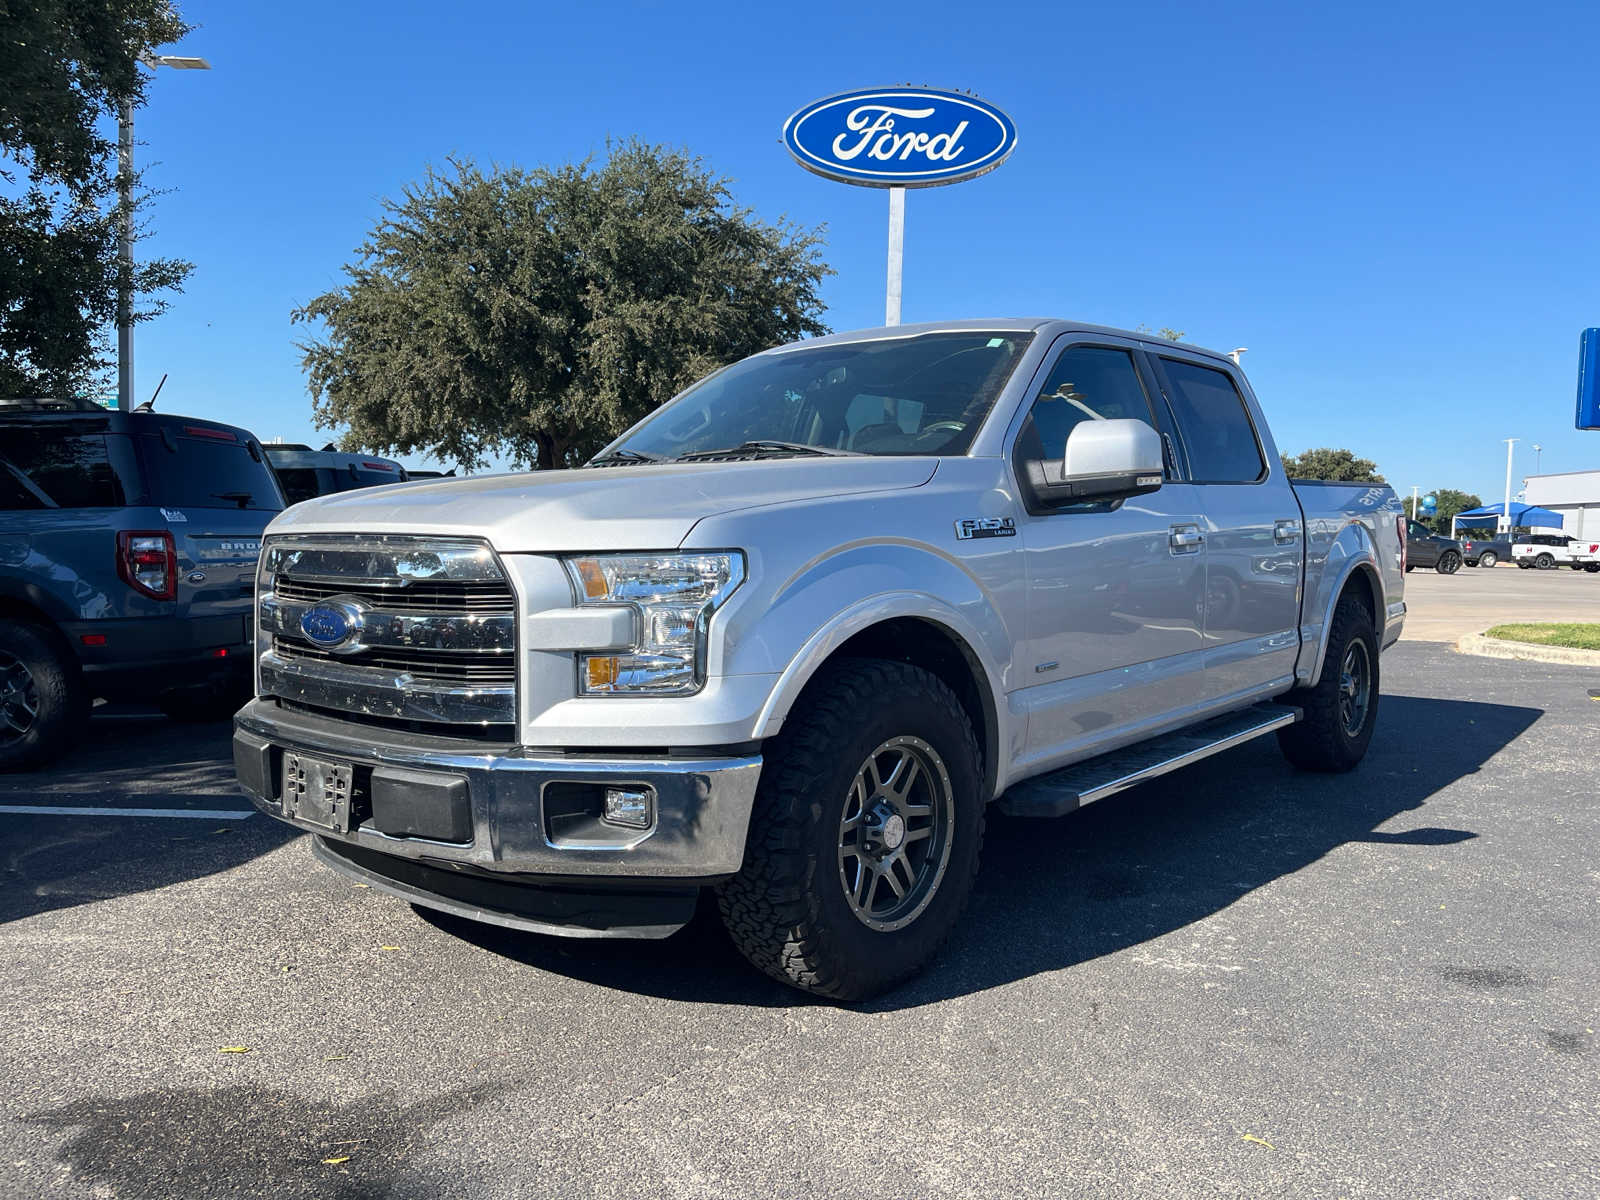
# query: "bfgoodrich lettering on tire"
{"points": [[865, 836], [1342, 707]]}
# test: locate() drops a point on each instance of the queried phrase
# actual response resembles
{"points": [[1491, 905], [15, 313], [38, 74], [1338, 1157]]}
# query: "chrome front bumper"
{"points": [[701, 805]]}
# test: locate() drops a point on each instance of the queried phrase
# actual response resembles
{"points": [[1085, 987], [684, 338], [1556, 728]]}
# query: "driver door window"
{"points": [[1089, 383]]}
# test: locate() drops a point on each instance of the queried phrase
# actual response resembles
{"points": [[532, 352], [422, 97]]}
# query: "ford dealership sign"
{"points": [[900, 137]]}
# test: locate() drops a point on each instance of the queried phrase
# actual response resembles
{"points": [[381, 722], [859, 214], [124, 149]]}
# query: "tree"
{"points": [[1325, 462], [1166, 331], [537, 314], [66, 68]]}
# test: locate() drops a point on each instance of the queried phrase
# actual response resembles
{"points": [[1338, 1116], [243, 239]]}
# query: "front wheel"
{"points": [[1591, 567], [1449, 563], [1342, 706], [865, 836]]}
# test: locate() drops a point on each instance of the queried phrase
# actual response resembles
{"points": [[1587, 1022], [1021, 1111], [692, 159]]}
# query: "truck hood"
{"points": [[612, 508]]}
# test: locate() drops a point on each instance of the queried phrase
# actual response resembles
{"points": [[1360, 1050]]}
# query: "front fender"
{"points": [[831, 600]]}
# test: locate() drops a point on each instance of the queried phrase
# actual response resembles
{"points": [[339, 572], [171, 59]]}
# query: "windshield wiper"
{"points": [[625, 456], [766, 446], [239, 498]]}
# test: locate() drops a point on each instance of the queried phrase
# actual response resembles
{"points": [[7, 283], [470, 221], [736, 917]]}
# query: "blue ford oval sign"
{"points": [[900, 137], [331, 624]]}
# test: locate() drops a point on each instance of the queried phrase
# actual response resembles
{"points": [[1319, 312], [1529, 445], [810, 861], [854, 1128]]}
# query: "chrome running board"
{"points": [[1059, 792]]}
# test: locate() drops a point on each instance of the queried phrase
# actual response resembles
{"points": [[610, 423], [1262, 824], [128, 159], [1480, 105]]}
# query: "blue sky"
{"points": [[1393, 205]]}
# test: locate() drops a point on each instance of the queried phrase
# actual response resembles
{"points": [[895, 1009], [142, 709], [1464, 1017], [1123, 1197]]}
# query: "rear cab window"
{"points": [[1214, 423], [200, 466]]}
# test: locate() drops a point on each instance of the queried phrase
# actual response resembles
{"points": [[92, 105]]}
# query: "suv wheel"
{"points": [[1488, 558], [864, 840], [1342, 706], [1449, 563], [42, 702], [1545, 561]]}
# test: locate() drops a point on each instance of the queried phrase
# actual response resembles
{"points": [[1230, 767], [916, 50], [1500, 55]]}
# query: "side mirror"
{"points": [[1105, 460]]}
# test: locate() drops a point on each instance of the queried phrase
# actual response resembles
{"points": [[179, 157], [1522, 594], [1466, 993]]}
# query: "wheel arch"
{"points": [[1361, 579], [933, 643]]}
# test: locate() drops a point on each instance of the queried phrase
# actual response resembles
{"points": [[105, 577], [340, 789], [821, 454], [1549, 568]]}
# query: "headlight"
{"points": [[675, 595]]}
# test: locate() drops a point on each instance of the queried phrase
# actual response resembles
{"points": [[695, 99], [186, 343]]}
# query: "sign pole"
{"points": [[897, 244]]}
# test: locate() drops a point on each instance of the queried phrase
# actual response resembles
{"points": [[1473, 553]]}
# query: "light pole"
{"points": [[1538, 453], [178, 62], [1414, 490], [1505, 516]]}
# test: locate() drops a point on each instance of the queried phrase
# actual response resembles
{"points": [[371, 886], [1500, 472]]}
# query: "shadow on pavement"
{"points": [[49, 862], [1052, 894]]}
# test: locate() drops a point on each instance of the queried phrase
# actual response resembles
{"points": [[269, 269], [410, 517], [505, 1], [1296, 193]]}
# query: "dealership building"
{"points": [[1573, 494]]}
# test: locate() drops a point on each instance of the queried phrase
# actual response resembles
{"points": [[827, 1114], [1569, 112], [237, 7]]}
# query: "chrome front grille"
{"points": [[389, 627], [443, 598], [489, 670]]}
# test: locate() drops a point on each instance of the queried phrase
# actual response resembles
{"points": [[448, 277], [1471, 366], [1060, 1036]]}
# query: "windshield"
{"points": [[926, 394]]}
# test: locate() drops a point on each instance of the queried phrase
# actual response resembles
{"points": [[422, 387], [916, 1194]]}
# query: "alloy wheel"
{"points": [[19, 698], [1355, 686], [895, 833]]}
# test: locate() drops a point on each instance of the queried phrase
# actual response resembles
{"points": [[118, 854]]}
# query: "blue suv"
{"points": [[128, 548]]}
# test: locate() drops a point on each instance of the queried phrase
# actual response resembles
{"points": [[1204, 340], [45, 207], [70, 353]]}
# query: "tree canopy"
{"points": [[65, 68], [1326, 462], [537, 314]]}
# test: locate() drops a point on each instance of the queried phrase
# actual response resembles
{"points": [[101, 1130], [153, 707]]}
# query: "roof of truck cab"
{"points": [[1050, 327]]}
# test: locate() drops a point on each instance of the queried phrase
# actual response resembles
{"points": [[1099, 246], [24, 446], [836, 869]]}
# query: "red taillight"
{"points": [[147, 561], [92, 639], [1400, 526], [377, 466]]}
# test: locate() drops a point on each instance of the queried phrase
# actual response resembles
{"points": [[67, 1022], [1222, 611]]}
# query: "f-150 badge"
{"points": [[985, 527]]}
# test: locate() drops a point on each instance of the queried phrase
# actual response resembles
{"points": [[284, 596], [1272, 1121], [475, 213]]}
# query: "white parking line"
{"points": [[194, 814]]}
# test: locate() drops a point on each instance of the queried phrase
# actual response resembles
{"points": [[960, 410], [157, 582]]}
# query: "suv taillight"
{"points": [[1400, 526], [147, 561]]}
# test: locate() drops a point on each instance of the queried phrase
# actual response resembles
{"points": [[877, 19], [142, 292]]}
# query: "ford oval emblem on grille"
{"points": [[332, 624]]}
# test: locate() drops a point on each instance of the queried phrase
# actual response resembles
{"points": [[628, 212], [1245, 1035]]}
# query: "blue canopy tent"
{"points": [[1523, 515]]}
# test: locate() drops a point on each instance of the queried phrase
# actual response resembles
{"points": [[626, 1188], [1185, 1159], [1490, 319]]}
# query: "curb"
{"points": [[1488, 647]]}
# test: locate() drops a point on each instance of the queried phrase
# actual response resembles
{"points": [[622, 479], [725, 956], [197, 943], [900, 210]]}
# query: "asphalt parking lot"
{"points": [[1236, 981]]}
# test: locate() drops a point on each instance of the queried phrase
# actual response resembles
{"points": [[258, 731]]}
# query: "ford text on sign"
{"points": [[900, 137]]}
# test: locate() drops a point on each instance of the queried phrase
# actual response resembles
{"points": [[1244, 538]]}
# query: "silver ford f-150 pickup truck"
{"points": [[790, 635]]}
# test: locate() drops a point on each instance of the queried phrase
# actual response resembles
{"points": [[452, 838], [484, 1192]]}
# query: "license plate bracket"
{"points": [[317, 791]]}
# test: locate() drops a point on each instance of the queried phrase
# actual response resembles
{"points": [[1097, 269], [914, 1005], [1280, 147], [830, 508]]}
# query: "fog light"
{"points": [[634, 808]]}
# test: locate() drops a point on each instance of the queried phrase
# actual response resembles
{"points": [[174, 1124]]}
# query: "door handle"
{"points": [[1186, 538], [1286, 532]]}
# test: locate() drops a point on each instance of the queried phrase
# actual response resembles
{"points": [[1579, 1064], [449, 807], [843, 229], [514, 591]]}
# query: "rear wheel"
{"points": [[1544, 561], [42, 701], [1342, 706], [865, 836], [1449, 563], [1488, 558], [1591, 567]]}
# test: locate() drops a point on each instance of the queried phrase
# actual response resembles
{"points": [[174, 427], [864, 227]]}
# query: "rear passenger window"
{"points": [[1089, 383], [52, 468], [1214, 423]]}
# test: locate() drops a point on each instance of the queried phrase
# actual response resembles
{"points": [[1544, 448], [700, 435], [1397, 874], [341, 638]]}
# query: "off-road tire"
{"points": [[787, 909], [63, 705], [1319, 741]]}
